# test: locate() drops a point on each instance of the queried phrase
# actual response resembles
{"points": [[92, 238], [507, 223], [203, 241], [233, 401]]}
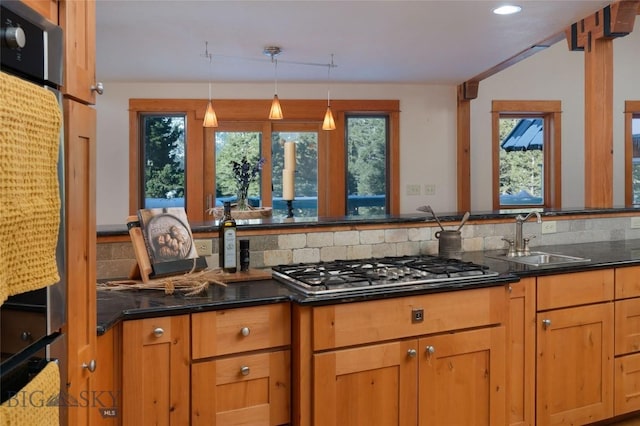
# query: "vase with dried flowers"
{"points": [[244, 173]]}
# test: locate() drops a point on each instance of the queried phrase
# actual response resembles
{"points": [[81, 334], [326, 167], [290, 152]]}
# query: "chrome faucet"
{"points": [[522, 244]]}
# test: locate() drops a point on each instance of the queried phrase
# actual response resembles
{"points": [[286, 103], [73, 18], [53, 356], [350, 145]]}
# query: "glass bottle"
{"points": [[227, 238]]}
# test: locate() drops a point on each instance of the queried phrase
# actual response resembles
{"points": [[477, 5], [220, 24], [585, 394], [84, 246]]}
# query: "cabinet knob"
{"points": [[244, 370], [412, 353], [546, 323], [91, 366], [430, 350], [98, 88], [25, 336], [158, 332], [245, 331]]}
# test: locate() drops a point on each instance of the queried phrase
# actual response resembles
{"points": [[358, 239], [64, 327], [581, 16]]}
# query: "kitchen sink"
{"points": [[540, 258]]}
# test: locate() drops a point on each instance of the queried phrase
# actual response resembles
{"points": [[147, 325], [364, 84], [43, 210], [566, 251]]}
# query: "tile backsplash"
{"points": [[116, 259]]}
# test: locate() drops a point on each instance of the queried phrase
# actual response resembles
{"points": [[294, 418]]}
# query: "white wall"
{"points": [[427, 124]]}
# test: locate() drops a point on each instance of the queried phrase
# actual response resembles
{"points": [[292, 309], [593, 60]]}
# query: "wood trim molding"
{"points": [[463, 170], [551, 111], [630, 109]]}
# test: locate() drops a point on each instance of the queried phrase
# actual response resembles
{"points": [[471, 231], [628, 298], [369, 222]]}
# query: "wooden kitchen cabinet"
{"points": [[80, 228], [155, 371], [77, 19], [522, 352], [368, 362], [574, 376], [627, 340], [107, 399], [241, 366], [463, 369], [374, 384]]}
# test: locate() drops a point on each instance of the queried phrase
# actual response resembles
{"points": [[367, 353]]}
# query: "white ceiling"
{"points": [[384, 41]]}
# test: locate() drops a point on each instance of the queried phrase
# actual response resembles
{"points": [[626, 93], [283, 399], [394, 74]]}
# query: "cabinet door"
{"points": [[522, 352], [463, 378], [369, 385], [78, 21], [575, 365], [80, 223], [155, 371], [242, 390]]}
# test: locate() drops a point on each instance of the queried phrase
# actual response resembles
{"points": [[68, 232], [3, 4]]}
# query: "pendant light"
{"points": [[276, 110], [210, 119], [329, 123]]}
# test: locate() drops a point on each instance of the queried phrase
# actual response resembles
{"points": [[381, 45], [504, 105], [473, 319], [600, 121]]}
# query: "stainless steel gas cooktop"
{"points": [[357, 276]]}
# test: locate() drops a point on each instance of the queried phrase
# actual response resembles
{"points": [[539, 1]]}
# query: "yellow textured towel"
{"points": [[30, 122], [37, 403]]}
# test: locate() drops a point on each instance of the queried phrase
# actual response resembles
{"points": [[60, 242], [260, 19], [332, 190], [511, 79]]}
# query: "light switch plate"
{"points": [[204, 247], [430, 189], [549, 227], [635, 222], [413, 189]]}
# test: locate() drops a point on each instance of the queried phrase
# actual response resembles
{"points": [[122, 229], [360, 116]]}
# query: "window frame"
{"points": [[551, 113], [233, 113], [631, 111]]}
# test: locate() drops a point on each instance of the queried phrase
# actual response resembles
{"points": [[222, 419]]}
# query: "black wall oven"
{"points": [[32, 323]]}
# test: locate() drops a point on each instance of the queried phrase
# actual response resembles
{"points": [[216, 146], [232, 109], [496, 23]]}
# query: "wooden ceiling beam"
{"points": [[612, 21]]}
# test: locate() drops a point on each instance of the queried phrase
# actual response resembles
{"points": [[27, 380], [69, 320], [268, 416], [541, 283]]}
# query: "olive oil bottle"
{"points": [[228, 250]]}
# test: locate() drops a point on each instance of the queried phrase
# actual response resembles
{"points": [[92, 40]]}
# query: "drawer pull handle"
{"points": [[430, 350], [158, 332], [412, 353], [244, 370], [245, 331], [546, 323], [91, 366]]}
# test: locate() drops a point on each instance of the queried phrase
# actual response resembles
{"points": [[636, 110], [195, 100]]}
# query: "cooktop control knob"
{"points": [[14, 37]]}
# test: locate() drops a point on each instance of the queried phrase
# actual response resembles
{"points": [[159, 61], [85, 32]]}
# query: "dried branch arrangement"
{"points": [[189, 284]]}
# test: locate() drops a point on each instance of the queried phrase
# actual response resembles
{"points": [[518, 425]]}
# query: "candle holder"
{"points": [[289, 208]]}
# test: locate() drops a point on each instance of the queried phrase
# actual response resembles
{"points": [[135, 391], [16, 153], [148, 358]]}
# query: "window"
{"points": [[526, 152], [198, 159], [163, 165], [367, 183], [632, 150]]}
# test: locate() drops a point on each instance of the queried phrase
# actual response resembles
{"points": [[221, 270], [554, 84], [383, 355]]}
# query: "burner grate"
{"points": [[360, 275]]}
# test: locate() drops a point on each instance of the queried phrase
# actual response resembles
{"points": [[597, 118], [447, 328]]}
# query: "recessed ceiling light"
{"points": [[508, 9]]}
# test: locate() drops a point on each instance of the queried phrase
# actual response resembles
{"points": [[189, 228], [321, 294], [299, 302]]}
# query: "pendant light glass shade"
{"points": [[276, 110], [210, 119], [328, 123]]}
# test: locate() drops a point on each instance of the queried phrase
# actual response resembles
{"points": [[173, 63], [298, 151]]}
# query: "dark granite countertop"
{"points": [[115, 306]]}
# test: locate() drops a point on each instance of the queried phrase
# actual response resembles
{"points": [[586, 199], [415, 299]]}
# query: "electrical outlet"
{"points": [[430, 189], [549, 227], [635, 222], [413, 189], [204, 247]]}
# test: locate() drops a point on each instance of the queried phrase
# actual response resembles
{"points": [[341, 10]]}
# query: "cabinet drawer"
{"points": [[241, 390], [374, 321], [627, 331], [580, 288], [627, 384], [239, 330], [627, 282]]}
